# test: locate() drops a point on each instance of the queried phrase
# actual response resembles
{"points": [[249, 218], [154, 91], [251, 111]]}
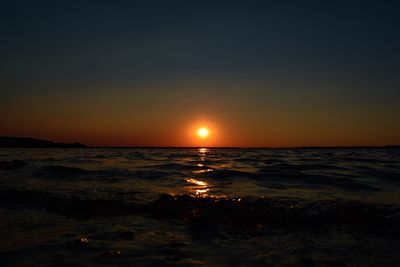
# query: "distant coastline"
{"points": [[26, 142]]}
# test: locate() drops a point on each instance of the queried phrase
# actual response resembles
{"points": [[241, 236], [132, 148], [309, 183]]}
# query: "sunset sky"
{"points": [[150, 73]]}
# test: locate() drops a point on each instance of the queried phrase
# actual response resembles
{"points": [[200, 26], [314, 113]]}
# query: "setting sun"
{"points": [[203, 132]]}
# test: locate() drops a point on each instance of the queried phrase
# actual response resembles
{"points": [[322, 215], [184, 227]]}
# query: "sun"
{"points": [[203, 132]]}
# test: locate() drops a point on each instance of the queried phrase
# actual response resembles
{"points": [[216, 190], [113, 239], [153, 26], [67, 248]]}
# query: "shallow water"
{"points": [[200, 207]]}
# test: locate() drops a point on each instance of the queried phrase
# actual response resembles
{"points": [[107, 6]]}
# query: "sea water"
{"points": [[199, 207]]}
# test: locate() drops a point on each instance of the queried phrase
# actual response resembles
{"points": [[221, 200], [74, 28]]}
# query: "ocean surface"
{"points": [[199, 207]]}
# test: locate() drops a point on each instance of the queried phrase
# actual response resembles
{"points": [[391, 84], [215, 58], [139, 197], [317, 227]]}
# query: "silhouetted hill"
{"points": [[6, 141]]}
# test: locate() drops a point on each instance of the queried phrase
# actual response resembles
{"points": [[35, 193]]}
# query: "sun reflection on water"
{"points": [[203, 171], [203, 153], [199, 187], [202, 191], [196, 182], [203, 150]]}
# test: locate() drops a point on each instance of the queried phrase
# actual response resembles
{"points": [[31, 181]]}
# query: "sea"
{"points": [[199, 207]]}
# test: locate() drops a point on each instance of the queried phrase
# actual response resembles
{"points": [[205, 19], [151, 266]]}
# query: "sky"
{"points": [[149, 73]]}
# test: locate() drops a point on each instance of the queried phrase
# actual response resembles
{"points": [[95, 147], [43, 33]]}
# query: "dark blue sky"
{"points": [[314, 65]]}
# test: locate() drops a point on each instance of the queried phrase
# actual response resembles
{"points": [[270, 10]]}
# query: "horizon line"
{"points": [[249, 147], [57, 144]]}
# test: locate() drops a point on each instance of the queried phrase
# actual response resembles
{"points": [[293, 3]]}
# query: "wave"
{"points": [[66, 172], [263, 176], [202, 213], [58, 171], [385, 175], [303, 167], [174, 167], [312, 180], [81, 160], [12, 164], [229, 174]]}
